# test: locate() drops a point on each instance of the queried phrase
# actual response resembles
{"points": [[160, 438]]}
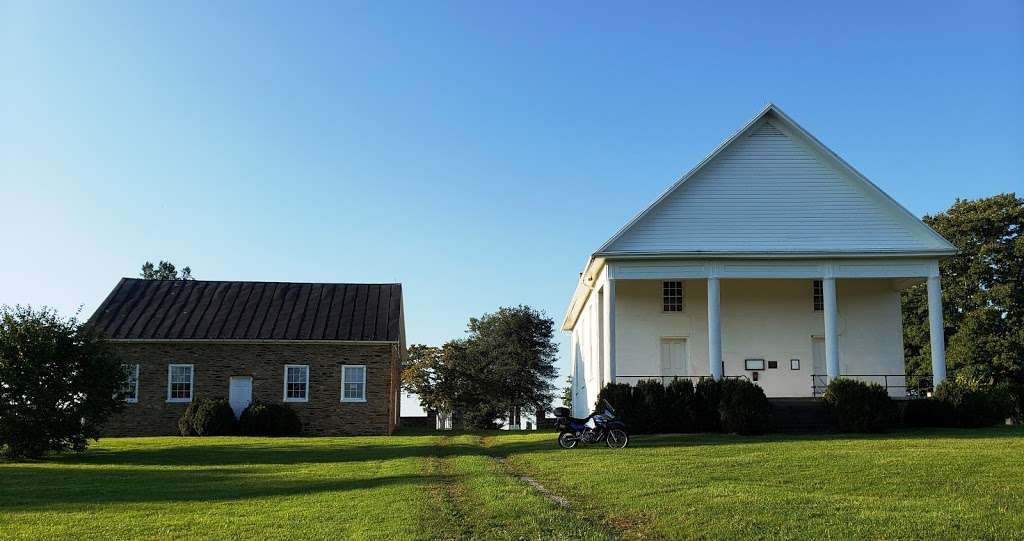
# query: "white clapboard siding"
{"points": [[771, 190]]}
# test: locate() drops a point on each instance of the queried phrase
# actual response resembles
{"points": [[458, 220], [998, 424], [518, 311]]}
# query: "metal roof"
{"points": [[140, 309]]}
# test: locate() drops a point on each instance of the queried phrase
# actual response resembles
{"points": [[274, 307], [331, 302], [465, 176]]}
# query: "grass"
{"points": [[936, 484]]}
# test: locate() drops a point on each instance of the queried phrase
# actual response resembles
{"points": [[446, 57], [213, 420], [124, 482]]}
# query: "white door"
{"points": [[818, 363], [240, 393], [673, 357]]}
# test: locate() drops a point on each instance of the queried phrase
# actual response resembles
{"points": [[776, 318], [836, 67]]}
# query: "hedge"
{"points": [[269, 419], [976, 403], [744, 408], [208, 417], [650, 407], [856, 406]]}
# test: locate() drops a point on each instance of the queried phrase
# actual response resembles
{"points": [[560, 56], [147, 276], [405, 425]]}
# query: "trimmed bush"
{"points": [[207, 417], [620, 396], [856, 406], [185, 421], [649, 411], [268, 419], [214, 418], [928, 412], [977, 403], [744, 408], [707, 395], [679, 404]]}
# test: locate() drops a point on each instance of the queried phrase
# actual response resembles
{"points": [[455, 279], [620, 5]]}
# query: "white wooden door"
{"points": [[240, 393], [818, 355], [820, 379], [674, 357]]}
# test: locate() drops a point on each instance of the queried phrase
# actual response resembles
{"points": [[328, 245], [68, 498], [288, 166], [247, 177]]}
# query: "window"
{"points": [[179, 383], [818, 295], [794, 364], [296, 383], [353, 383], [773, 364], [753, 364], [130, 390], [672, 296]]}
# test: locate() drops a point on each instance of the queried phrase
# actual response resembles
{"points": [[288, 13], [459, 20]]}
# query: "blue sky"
{"points": [[476, 152]]}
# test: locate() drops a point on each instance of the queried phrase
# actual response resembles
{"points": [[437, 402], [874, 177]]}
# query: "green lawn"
{"points": [[929, 484]]}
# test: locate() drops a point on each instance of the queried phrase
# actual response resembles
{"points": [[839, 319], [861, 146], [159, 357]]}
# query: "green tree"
{"points": [[567, 392], [505, 362], [982, 292], [164, 270], [59, 381]]}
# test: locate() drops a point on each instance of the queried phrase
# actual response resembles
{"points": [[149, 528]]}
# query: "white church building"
{"points": [[772, 260]]}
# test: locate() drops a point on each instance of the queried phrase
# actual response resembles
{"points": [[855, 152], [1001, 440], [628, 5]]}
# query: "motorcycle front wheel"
{"points": [[567, 440], [617, 438]]}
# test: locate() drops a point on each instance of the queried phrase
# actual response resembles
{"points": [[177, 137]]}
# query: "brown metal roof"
{"points": [[210, 310]]}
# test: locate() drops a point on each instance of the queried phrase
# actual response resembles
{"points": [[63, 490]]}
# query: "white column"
{"points": [[609, 319], [831, 328], [714, 329], [936, 330]]}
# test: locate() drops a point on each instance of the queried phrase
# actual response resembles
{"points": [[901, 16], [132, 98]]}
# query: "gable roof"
{"points": [[772, 188], [140, 309]]}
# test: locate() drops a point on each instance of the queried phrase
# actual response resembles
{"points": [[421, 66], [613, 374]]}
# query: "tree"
{"points": [[165, 270], [567, 392], [982, 292], [505, 362], [59, 381]]}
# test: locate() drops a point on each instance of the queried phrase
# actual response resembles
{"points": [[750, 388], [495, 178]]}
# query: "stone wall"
{"points": [[215, 362]]}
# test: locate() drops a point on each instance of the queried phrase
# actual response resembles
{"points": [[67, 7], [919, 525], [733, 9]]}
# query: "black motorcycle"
{"points": [[594, 428]]}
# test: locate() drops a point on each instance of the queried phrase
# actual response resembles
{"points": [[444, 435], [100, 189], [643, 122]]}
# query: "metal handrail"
{"points": [[913, 385], [665, 380]]}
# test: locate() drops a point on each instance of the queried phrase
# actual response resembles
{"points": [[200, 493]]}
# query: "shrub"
{"points": [[208, 417], [185, 421], [679, 404], [856, 406], [707, 395], [977, 403], [268, 419], [744, 408], [59, 382], [928, 412], [649, 412], [214, 418], [1017, 395], [620, 396]]}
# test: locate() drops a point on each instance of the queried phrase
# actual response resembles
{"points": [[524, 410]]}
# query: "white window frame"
{"points": [[133, 372], [191, 383], [665, 297], [284, 391], [345, 368]]}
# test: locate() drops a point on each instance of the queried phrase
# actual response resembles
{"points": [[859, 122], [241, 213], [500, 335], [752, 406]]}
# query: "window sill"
{"points": [[178, 400], [295, 400], [131, 401], [356, 400]]}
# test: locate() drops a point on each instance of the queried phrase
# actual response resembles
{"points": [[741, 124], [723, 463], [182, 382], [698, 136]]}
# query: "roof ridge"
{"points": [[261, 281]]}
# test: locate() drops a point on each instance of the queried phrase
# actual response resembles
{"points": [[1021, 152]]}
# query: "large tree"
{"points": [[165, 270], [505, 363], [982, 292], [59, 381]]}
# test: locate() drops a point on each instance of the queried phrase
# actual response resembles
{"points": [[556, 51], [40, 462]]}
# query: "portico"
{"points": [[772, 260]]}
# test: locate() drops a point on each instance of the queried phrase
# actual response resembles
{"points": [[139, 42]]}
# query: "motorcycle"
{"points": [[594, 428]]}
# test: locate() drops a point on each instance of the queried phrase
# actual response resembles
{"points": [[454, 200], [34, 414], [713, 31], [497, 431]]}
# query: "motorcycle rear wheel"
{"points": [[567, 440], [617, 438]]}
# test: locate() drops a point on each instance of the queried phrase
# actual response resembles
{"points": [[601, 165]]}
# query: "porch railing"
{"points": [[909, 385], [665, 380]]}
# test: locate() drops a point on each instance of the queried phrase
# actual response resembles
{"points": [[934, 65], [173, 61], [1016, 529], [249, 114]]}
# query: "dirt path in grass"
{"points": [[476, 495]]}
